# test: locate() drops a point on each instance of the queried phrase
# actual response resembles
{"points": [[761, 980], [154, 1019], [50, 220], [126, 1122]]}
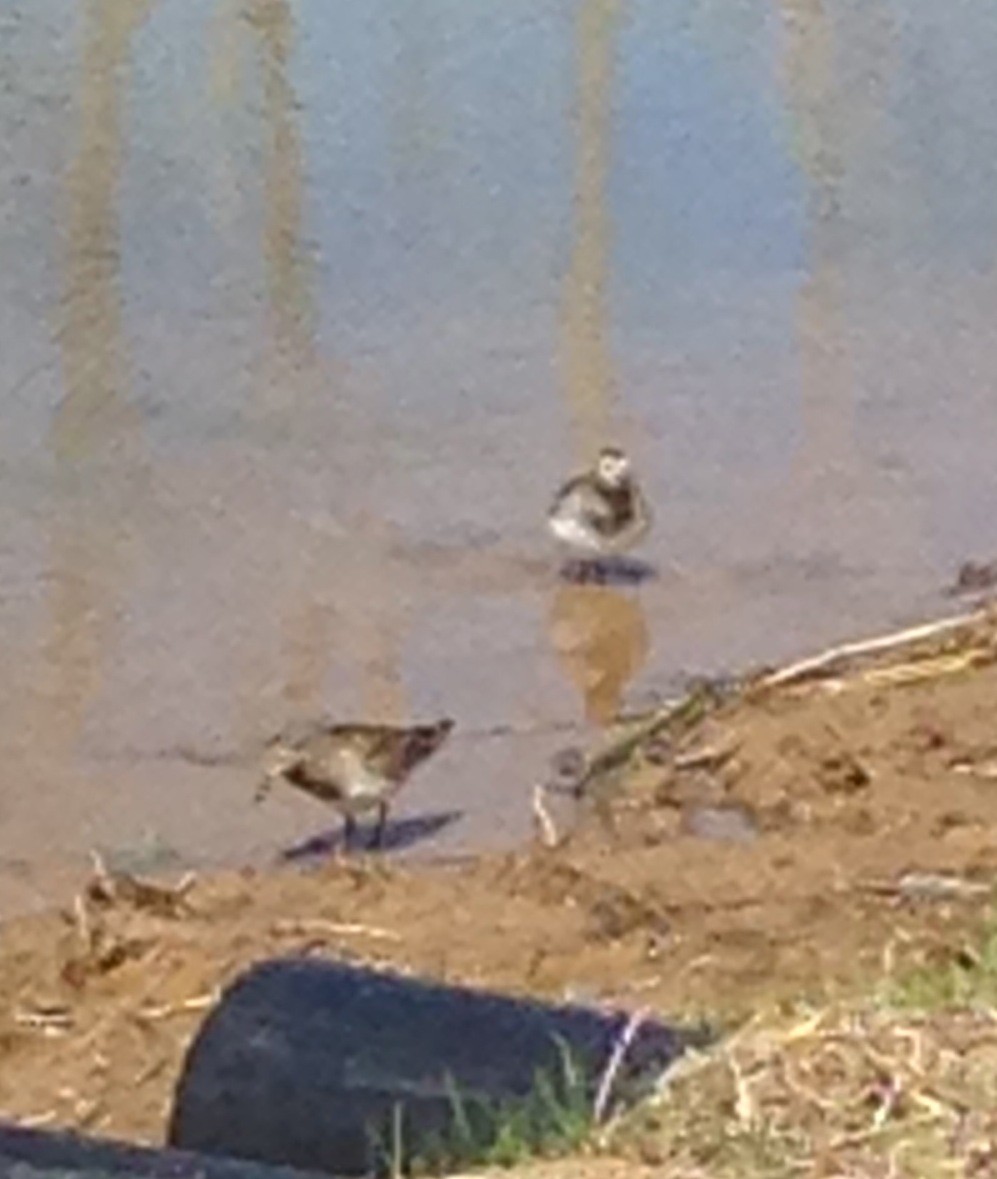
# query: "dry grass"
{"points": [[899, 1082]]}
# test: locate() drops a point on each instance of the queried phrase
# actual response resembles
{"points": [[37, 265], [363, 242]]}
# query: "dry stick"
{"points": [[184, 1007], [397, 1131], [54, 1019], [709, 757], [84, 926], [548, 832], [315, 925], [744, 1106], [100, 869], [916, 671], [926, 886], [623, 1042], [986, 769], [36, 1121], [817, 663]]}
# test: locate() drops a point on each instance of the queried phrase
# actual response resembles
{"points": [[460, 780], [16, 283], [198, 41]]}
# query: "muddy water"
{"points": [[305, 309]]}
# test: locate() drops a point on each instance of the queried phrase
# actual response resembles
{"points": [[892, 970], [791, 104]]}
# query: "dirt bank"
{"points": [[785, 839]]}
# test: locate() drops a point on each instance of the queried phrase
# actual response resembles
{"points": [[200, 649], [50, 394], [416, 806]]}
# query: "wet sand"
{"points": [[306, 311]]}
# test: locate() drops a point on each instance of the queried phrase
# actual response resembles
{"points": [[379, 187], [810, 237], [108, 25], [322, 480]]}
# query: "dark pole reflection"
{"points": [[322, 569], [587, 370], [95, 433], [598, 633], [836, 73]]}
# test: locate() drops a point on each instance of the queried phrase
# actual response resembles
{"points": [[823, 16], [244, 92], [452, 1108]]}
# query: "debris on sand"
{"points": [[107, 887], [850, 1089], [788, 837], [974, 577]]}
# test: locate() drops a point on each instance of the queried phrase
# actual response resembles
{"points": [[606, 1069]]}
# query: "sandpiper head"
{"points": [[278, 757], [426, 739], [612, 466]]}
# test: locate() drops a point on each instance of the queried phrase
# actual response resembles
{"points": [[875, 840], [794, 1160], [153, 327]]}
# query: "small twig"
{"points": [[49, 1019], [88, 1112], [644, 984], [149, 1072], [84, 926], [744, 1105], [545, 824], [805, 1028], [615, 1063], [709, 757], [887, 1104], [397, 1141], [184, 1007], [927, 886], [36, 1121], [100, 870], [315, 925], [984, 769], [931, 1105]]}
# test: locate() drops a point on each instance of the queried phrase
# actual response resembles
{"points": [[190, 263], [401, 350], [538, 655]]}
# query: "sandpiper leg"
{"points": [[377, 839], [349, 832], [574, 570], [585, 571], [600, 571]]}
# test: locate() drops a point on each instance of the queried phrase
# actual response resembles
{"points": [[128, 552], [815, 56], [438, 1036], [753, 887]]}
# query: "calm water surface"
{"points": [[307, 306]]}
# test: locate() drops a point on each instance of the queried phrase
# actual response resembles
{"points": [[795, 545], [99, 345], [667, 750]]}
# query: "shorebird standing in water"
{"points": [[600, 513], [355, 767]]}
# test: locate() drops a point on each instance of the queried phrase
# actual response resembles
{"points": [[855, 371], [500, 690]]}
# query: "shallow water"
{"points": [[307, 307]]}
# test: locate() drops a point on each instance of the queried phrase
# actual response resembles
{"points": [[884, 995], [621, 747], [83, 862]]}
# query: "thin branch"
{"points": [[815, 664]]}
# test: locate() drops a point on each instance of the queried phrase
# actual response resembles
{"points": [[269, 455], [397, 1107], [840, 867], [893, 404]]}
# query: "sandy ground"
{"points": [[788, 842]]}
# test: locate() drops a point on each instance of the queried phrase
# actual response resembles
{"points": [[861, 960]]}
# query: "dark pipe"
{"points": [[37, 1154], [313, 1064]]}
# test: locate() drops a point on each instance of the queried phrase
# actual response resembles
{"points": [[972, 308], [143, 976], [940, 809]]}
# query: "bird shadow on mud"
{"points": [[608, 571], [399, 834]]}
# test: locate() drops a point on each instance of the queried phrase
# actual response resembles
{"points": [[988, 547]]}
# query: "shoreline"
{"points": [[863, 845]]}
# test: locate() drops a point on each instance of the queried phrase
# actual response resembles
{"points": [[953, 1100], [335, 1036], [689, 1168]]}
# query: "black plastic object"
{"points": [[324, 1066], [37, 1154]]}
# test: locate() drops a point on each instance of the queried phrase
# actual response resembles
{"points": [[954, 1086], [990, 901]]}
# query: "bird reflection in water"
{"points": [[600, 636]]}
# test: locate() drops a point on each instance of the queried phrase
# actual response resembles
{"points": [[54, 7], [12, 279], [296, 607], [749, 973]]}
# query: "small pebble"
{"points": [[728, 824]]}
